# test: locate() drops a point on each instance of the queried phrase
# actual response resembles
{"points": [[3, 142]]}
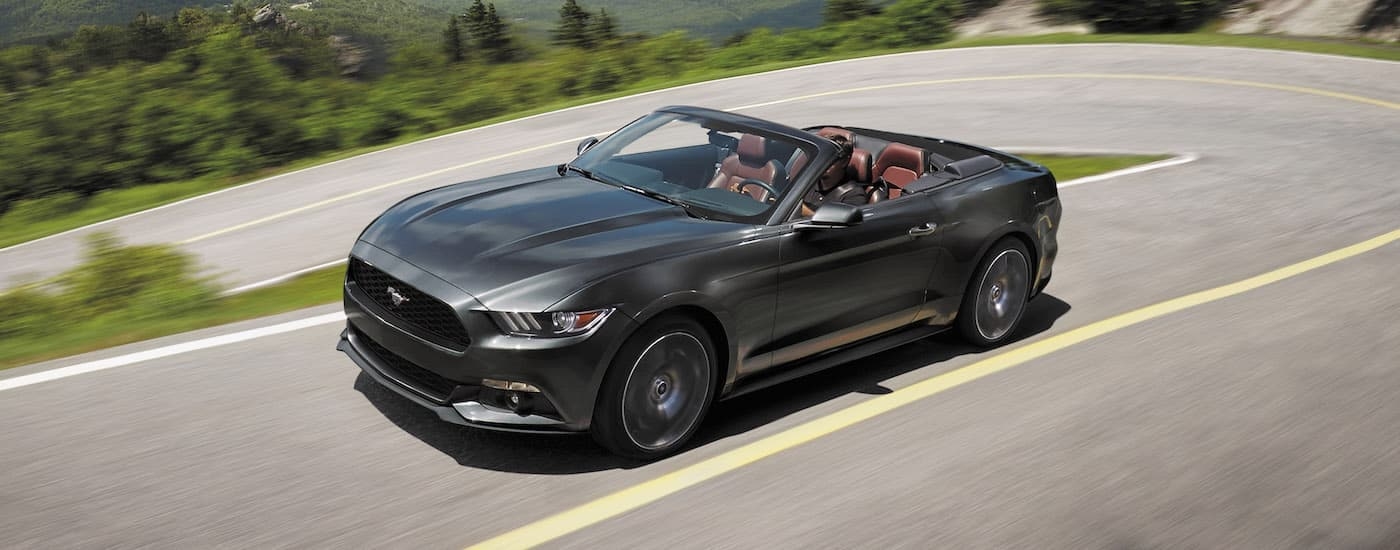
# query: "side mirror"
{"points": [[832, 215], [587, 144]]}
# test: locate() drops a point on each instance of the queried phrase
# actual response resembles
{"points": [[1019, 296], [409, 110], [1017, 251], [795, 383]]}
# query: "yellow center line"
{"points": [[1111, 76], [1094, 76], [636, 496], [644, 493]]}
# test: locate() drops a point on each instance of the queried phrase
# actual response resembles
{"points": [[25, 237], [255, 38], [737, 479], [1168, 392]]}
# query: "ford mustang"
{"points": [[691, 256]]}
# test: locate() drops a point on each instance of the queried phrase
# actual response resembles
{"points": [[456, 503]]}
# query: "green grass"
{"points": [[24, 223], [315, 288], [1068, 167], [323, 287]]}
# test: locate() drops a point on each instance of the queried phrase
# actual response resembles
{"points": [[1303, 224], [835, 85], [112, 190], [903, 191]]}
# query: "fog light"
{"points": [[508, 385]]}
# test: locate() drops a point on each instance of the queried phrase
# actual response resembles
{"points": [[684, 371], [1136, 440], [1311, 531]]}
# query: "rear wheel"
{"points": [[657, 390], [996, 296]]}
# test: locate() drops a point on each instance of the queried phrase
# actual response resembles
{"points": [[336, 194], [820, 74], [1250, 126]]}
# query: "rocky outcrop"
{"points": [[1017, 18], [350, 57], [1374, 19]]}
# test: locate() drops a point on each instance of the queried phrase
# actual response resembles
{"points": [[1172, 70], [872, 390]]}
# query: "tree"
{"points": [[923, 21], [837, 11], [452, 41], [475, 19], [1149, 15], [604, 28], [95, 46], [494, 37], [148, 39], [573, 27]]}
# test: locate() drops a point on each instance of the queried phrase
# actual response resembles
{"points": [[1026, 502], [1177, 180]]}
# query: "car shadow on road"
{"points": [[865, 376], [576, 453]]}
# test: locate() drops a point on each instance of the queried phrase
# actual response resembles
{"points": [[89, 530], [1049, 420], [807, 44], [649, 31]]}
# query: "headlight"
{"points": [[549, 325]]}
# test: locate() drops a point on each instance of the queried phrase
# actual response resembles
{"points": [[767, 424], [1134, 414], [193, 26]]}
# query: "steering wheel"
{"points": [[772, 193]]}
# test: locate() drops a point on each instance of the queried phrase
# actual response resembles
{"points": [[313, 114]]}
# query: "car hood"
{"points": [[524, 241]]}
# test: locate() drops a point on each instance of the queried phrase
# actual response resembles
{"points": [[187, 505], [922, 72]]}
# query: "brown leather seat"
{"points": [[899, 165], [860, 167], [799, 158], [750, 160]]}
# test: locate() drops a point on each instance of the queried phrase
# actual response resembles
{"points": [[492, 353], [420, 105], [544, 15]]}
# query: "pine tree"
{"points": [[494, 37], [452, 44], [475, 18], [573, 27], [148, 39], [837, 11], [604, 29]]}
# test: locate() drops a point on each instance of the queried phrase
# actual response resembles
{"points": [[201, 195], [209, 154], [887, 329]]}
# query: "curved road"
{"points": [[1266, 419]]}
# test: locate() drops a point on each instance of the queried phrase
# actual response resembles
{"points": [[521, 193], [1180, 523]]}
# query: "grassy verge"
{"points": [[1068, 167], [1349, 48], [24, 224], [316, 288], [153, 274]]}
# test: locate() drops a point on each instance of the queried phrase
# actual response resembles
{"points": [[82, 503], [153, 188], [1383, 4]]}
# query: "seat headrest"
{"points": [[830, 131], [752, 149], [861, 165]]}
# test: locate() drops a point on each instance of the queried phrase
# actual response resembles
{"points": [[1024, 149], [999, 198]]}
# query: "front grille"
{"points": [[405, 372], [420, 313]]}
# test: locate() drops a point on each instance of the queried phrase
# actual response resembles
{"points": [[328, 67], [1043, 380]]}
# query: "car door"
{"points": [[840, 285]]}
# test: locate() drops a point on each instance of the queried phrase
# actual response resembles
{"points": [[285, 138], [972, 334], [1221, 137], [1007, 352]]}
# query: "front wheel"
{"points": [[996, 296], [657, 390]]}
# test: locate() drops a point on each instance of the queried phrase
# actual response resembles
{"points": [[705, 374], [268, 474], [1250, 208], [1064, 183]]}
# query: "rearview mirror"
{"points": [[832, 215], [586, 144]]}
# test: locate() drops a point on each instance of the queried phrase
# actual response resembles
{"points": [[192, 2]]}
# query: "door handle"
{"points": [[925, 229]]}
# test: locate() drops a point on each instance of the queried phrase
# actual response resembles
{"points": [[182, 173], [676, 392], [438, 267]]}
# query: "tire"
{"points": [[996, 296], [657, 390]]}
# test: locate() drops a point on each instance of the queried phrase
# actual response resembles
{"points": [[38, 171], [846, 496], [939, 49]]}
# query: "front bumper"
{"points": [[568, 371], [466, 412]]}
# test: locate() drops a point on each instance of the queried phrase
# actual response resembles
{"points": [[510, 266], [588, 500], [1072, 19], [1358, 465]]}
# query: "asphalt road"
{"points": [[1262, 420]]}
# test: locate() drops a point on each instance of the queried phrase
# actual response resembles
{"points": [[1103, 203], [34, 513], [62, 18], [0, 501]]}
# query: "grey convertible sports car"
{"points": [[691, 256]]}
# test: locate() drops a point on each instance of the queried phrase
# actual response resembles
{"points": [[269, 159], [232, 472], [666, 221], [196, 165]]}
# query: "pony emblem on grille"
{"points": [[396, 297]]}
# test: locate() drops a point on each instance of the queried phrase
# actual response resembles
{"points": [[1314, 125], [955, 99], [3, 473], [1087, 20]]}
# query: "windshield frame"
{"points": [[819, 150]]}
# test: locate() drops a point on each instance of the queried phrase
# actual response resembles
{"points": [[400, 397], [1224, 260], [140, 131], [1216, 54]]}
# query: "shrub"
{"points": [[28, 312], [135, 282], [1138, 15], [923, 21], [114, 286]]}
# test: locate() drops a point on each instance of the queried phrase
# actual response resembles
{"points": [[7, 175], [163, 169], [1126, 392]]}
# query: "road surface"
{"points": [[1265, 419]]}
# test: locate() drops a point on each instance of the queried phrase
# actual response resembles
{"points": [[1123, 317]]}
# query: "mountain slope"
{"points": [[400, 20], [32, 19], [392, 21], [708, 18]]}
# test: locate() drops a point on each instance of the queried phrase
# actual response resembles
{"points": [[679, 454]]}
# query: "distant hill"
{"points": [[399, 20], [24, 20], [376, 21], [715, 19]]}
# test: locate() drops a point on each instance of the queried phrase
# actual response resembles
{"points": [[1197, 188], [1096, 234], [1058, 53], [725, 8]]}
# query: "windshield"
{"points": [[717, 170]]}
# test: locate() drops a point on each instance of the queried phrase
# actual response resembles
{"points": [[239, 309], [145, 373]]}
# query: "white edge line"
{"points": [[1164, 163], [683, 86], [167, 351], [281, 278], [234, 338]]}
